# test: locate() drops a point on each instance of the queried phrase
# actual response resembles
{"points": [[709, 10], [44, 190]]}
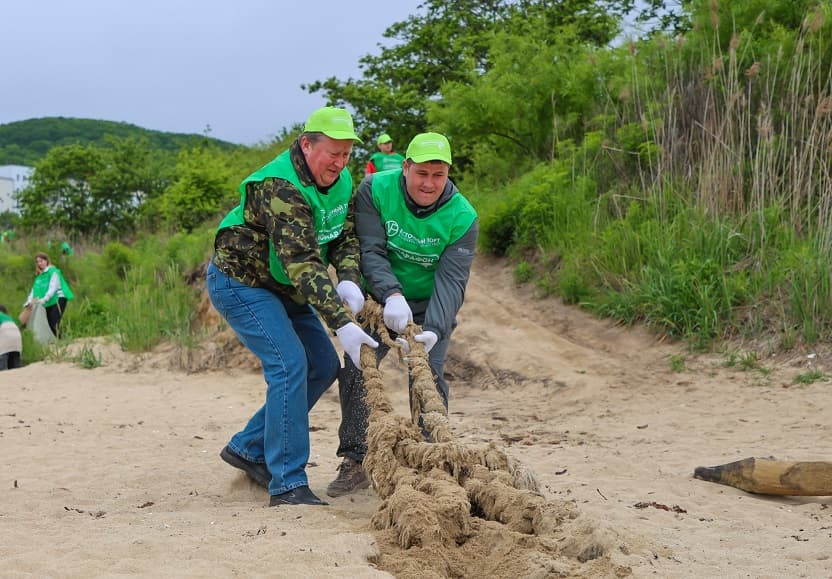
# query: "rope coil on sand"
{"points": [[430, 488]]}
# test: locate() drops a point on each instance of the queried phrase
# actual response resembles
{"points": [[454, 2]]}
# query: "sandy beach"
{"points": [[114, 471]]}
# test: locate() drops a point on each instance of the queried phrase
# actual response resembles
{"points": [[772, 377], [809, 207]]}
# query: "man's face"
{"points": [[326, 158], [425, 181], [386, 148]]}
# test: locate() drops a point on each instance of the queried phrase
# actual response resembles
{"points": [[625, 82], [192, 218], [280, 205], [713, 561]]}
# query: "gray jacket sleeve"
{"points": [[449, 284], [375, 266]]}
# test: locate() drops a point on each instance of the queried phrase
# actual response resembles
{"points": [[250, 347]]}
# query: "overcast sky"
{"points": [[182, 65]]}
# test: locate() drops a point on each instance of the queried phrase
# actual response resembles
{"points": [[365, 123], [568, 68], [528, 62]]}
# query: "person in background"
{"points": [[418, 235], [268, 278], [51, 290], [385, 159], [11, 342]]}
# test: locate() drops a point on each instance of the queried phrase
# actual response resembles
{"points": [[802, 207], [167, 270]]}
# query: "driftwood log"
{"points": [[772, 477]]}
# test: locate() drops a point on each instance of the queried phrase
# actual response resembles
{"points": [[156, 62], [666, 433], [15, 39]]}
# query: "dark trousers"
{"points": [[54, 315], [352, 433], [9, 360]]}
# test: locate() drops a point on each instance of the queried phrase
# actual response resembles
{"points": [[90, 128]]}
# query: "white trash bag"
{"points": [[39, 325]]}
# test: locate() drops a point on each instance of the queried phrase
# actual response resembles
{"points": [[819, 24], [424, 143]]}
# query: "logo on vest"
{"points": [[392, 228]]}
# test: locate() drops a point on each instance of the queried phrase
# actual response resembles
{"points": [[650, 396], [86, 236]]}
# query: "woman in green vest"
{"points": [[51, 290], [417, 235], [269, 279]]}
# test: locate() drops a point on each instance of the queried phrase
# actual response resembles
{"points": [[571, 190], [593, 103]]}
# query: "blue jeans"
{"points": [[299, 364]]}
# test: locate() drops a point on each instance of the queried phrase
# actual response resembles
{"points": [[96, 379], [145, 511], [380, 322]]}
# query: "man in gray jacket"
{"points": [[417, 235]]}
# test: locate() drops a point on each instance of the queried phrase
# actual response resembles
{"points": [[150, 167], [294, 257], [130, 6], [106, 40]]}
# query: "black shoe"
{"points": [[298, 496], [257, 471]]}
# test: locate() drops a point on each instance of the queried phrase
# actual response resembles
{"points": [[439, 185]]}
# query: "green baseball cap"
{"points": [[335, 123], [383, 138], [429, 147]]}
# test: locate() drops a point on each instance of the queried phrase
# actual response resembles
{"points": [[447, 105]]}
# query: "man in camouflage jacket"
{"points": [[269, 276]]}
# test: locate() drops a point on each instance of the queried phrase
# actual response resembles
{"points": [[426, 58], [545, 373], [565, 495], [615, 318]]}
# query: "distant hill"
{"points": [[26, 142]]}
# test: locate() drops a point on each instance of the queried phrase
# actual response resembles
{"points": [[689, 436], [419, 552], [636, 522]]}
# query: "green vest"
{"points": [[5, 318], [41, 286], [384, 162], [414, 245], [329, 210]]}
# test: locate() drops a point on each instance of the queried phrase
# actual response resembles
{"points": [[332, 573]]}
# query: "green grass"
{"points": [[87, 358], [677, 363], [138, 293], [810, 377]]}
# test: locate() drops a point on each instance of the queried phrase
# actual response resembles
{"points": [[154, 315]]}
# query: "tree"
{"points": [[536, 93], [88, 189], [450, 41], [202, 187], [60, 194]]}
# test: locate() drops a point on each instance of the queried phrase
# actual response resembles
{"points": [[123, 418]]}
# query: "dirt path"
{"points": [[599, 413], [114, 471]]}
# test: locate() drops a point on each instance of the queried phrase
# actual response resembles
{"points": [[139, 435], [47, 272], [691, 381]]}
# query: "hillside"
{"points": [[25, 142]]}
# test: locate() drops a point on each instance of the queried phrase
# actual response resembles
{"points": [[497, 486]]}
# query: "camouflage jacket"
{"points": [[242, 251]]}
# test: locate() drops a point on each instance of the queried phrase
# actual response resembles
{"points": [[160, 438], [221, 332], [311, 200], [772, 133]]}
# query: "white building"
{"points": [[6, 191], [13, 178]]}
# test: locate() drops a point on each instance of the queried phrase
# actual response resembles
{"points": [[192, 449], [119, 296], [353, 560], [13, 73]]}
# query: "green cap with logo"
{"points": [[335, 123], [429, 147], [383, 138]]}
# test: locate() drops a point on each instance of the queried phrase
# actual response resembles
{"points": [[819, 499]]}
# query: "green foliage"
{"points": [[27, 142], [86, 189], [744, 362], [810, 377], [451, 42], [8, 220], [677, 363], [537, 92], [523, 272], [141, 295], [87, 358], [807, 281], [148, 314], [18, 272], [550, 206], [203, 186], [498, 229], [575, 283], [118, 259], [189, 250]]}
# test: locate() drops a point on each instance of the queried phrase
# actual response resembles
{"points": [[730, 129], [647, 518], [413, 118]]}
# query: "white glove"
{"points": [[397, 313], [427, 338], [351, 295], [352, 337], [404, 345]]}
